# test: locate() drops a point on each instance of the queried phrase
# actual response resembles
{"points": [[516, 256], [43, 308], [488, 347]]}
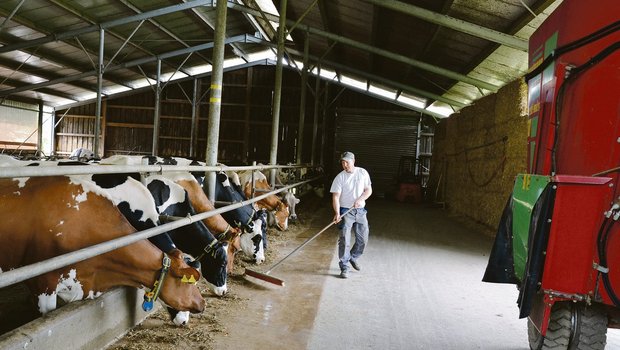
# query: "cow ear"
{"points": [[297, 200], [179, 268]]}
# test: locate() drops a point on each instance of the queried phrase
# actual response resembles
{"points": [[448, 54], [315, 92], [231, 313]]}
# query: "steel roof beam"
{"points": [[51, 92], [239, 38], [38, 72], [263, 62], [120, 37], [391, 55], [51, 56], [453, 23], [104, 25], [371, 77], [163, 29]]}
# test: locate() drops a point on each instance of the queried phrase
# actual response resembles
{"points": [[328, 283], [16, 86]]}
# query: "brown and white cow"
{"points": [[46, 217], [198, 199], [271, 202]]}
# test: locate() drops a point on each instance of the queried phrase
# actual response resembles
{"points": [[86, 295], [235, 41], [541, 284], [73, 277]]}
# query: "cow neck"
{"points": [[202, 204], [207, 250], [151, 296]]}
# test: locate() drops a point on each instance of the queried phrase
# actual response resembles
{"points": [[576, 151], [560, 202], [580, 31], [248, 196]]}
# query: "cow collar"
{"points": [[208, 249], [151, 296]]}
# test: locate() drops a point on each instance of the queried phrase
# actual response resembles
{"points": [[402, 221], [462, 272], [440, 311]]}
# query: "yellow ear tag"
{"points": [[191, 279]]}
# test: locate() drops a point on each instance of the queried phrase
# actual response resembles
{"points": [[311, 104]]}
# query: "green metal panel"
{"points": [[525, 194]]}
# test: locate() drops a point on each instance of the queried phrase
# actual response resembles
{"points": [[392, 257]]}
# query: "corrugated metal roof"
{"points": [[415, 48]]}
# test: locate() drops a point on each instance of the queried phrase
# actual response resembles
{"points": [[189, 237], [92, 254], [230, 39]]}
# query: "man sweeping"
{"points": [[350, 189]]}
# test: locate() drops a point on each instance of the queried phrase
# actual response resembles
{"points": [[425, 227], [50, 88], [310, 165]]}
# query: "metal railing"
{"points": [[26, 272]]}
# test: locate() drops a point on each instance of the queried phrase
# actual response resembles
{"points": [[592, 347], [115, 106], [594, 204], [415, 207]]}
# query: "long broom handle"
{"points": [[306, 242]]}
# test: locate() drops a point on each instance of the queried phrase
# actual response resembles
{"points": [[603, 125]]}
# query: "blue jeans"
{"points": [[355, 220]]}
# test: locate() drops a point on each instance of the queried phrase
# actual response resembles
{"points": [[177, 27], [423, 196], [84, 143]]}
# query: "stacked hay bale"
{"points": [[478, 152]]}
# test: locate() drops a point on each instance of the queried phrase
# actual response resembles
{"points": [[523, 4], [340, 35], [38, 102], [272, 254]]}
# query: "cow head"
{"points": [[215, 267], [240, 217], [281, 213], [195, 238], [292, 202], [179, 288]]}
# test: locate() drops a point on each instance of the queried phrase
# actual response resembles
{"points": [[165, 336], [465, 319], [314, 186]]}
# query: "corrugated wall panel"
{"points": [[378, 142]]}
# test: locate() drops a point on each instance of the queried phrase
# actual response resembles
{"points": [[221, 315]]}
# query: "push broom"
{"points": [[267, 278]]}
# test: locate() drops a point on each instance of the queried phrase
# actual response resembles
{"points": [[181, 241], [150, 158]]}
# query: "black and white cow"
{"points": [[254, 236]]}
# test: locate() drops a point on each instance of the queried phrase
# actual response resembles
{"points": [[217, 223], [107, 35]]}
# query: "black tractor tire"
{"points": [[572, 326]]}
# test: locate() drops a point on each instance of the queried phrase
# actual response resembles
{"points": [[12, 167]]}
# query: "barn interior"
{"points": [[428, 94]]}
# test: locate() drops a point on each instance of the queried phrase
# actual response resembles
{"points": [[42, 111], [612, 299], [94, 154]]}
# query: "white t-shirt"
{"points": [[351, 186]]}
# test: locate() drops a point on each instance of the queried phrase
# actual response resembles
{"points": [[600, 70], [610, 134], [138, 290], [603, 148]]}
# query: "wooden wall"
{"points": [[245, 120]]}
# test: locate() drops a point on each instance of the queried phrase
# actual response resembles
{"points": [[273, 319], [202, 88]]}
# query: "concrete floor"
{"points": [[419, 288]]}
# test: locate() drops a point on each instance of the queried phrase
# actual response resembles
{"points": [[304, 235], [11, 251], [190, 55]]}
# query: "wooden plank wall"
{"points": [[245, 121]]}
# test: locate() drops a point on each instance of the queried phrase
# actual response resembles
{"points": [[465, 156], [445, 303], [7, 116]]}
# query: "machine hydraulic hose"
{"points": [[571, 75], [601, 33], [611, 217]]}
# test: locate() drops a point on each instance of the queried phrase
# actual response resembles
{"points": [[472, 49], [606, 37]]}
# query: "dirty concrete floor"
{"points": [[419, 288]]}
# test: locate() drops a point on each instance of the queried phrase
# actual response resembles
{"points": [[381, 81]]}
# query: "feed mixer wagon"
{"points": [[559, 237]]}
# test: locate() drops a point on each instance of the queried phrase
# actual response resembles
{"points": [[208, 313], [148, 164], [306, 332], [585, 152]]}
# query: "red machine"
{"points": [[561, 225]]}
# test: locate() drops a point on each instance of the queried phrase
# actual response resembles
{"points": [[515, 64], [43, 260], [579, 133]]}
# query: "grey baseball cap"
{"points": [[347, 156]]}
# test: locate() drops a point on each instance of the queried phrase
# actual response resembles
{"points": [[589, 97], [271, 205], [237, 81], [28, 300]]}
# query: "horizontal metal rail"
{"points": [[26, 272], [35, 171]]}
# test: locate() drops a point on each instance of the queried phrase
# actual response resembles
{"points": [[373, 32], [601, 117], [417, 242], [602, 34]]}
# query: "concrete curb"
{"points": [[90, 324]]}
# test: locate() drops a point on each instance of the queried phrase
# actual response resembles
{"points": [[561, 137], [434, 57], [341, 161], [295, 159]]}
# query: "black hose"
{"points": [[573, 46], [603, 262], [574, 74]]}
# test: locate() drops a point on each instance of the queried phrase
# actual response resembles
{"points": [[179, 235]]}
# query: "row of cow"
{"points": [[45, 217]]}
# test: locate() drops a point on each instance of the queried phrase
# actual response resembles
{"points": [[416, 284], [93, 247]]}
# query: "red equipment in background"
{"points": [[574, 104]]}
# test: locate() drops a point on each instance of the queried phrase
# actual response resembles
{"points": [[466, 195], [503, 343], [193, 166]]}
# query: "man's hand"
{"points": [[337, 218]]}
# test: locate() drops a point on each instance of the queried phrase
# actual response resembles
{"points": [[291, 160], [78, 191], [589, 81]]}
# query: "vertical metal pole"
{"points": [[315, 124], [417, 148], [99, 87], [215, 102], [194, 131], [40, 130], [155, 149], [248, 110], [277, 95], [53, 133], [302, 102], [324, 122]]}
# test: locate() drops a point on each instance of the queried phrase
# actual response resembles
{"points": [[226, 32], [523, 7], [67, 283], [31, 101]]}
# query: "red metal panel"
{"points": [[577, 216], [590, 112]]}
